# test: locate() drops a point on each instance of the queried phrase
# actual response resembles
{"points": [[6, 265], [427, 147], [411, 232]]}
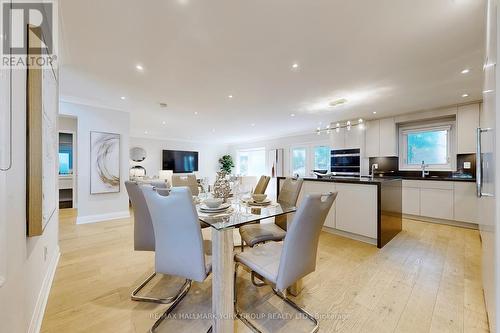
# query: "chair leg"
{"points": [[249, 324], [298, 308], [254, 282], [171, 308], [166, 300], [242, 245]]}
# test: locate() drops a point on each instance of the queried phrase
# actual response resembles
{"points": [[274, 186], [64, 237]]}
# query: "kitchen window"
{"points": [[431, 144], [251, 162]]}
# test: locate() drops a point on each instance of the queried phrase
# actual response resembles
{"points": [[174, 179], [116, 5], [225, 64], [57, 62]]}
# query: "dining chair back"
{"points": [[178, 239], [144, 239], [298, 257], [187, 181], [261, 186], [288, 195]]}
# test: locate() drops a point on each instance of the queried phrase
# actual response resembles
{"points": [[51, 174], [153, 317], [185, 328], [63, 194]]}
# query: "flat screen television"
{"points": [[180, 161]]}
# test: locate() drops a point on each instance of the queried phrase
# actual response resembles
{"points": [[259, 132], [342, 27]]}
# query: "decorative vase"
{"points": [[222, 187]]}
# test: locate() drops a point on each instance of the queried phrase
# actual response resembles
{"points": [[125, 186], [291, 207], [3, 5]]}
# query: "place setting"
{"points": [[214, 206]]}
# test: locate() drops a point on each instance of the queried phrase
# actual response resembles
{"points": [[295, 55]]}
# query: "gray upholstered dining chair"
{"points": [[188, 181], [281, 264], [144, 239], [261, 186], [180, 248], [253, 234]]}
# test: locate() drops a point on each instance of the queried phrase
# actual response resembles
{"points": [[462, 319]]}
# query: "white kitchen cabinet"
{"points": [[372, 138], [465, 202], [354, 137], [344, 139], [411, 200], [467, 124], [381, 139], [337, 138], [436, 203], [356, 209], [309, 187], [388, 138]]}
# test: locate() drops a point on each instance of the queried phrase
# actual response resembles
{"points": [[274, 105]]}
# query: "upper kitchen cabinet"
{"points": [[467, 123], [337, 139], [381, 138], [344, 139], [354, 137]]}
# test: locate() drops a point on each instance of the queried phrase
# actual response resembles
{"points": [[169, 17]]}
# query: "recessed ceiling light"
{"points": [[465, 95], [230, 96], [139, 67], [360, 120], [337, 102], [374, 112], [295, 66], [196, 113], [123, 98], [164, 122], [465, 71], [292, 115]]}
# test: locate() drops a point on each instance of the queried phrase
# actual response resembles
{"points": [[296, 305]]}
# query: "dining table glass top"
{"points": [[240, 214]]}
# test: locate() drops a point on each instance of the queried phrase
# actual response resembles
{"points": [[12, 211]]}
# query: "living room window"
{"points": [[251, 162]]}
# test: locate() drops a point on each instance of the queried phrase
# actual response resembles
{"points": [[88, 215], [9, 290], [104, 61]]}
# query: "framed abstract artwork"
{"points": [[104, 162], [42, 141]]}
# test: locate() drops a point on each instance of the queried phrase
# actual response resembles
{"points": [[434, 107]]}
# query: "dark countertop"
{"points": [[379, 180], [352, 180], [446, 179]]}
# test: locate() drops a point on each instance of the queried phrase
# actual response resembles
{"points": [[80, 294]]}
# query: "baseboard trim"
{"points": [[43, 296], [441, 221], [102, 217], [346, 234]]}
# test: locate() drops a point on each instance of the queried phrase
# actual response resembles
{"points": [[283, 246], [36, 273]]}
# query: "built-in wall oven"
{"points": [[346, 162]]}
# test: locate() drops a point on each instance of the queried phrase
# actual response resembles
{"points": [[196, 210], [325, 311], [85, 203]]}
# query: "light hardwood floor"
{"points": [[427, 279]]}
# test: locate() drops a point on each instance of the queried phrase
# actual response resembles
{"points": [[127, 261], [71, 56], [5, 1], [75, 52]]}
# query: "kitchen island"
{"points": [[368, 210]]}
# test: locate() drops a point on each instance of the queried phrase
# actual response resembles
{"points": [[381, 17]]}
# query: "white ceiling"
{"points": [[388, 56]]}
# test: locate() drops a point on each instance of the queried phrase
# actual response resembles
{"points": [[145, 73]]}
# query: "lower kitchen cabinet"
{"points": [[411, 200], [357, 209], [436, 203], [441, 200], [465, 202]]}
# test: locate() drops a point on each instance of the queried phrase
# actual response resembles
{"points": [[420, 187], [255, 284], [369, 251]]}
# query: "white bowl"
{"points": [[213, 203], [259, 197]]}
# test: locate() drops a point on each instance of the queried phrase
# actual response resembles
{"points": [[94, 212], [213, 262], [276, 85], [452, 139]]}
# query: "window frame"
{"points": [[238, 153], [306, 162], [423, 127], [310, 147]]}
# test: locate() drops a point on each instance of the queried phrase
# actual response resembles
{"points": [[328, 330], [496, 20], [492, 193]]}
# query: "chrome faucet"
{"points": [[374, 166], [424, 173]]}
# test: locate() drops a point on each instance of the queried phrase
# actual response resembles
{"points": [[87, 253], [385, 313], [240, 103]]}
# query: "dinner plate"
{"points": [[261, 203], [221, 208]]}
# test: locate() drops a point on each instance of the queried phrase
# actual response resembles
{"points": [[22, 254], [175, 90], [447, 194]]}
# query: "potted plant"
{"points": [[226, 163]]}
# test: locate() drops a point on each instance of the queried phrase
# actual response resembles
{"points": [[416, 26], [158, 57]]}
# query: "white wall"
{"points": [[99, 207], [208, 157], [29, 270]]}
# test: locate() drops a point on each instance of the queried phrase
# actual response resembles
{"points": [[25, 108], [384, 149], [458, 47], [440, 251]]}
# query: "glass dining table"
{"points": [[223, 225]]}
